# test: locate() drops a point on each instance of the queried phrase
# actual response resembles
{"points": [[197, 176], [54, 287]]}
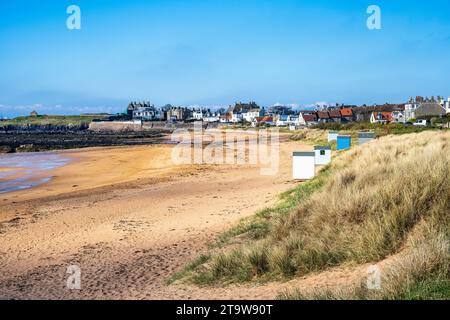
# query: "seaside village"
{"points": [[251, 114], [417, 111]]}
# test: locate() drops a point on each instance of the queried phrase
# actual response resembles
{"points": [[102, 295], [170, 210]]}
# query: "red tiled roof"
{"points": [[323, 115], [383, 116], [346, 112], [309, 117], [334, 113], [264, 119]]}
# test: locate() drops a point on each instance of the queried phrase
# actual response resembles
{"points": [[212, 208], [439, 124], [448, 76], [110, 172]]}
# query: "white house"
{"points": [[294, 120], [398, 116], [252, 114], [149, 113], [236, 117], [197, 114], [410, 109], [307, 118], [445, 104], [381, 117], [282, 120]]}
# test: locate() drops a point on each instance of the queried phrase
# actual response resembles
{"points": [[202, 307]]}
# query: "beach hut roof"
{"points": [[322, 148], [304, 154]]}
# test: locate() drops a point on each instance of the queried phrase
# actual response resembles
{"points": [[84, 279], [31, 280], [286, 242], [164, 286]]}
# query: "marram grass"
{"points": [[387, 197]]}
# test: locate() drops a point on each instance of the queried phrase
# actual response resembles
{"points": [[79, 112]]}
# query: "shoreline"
{"points": [[106, 172], [148, 218]]}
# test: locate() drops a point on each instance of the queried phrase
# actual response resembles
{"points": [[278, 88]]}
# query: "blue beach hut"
{"points": [[343, 142]]}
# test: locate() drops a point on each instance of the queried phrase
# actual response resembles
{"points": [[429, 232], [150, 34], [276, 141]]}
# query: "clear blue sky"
{"points": [[215, 52]]}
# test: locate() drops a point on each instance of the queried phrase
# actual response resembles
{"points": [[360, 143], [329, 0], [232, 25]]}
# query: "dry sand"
{"points": [[129, 218]]}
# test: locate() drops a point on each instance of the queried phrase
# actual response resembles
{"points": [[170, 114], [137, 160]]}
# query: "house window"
{"points": [[322, 152]]}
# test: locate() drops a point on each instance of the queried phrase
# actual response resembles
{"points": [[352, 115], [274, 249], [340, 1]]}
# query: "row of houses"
{"points": [[240, 112], [285, 116], [415, 109], [388, 113], [145, 111]]}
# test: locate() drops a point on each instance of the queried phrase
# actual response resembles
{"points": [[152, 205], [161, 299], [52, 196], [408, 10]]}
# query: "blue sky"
{"points": [[216, 52]]}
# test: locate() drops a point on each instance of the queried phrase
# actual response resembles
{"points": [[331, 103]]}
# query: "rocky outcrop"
{"points": [[48, 128], [5, 149], [40, 141]]}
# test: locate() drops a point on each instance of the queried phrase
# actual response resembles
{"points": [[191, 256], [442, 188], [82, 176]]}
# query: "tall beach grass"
{"points": [[387, 197]]}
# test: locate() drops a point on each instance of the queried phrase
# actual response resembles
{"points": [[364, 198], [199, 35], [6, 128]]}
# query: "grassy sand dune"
{"points": [[52, 120], [388, 197]]}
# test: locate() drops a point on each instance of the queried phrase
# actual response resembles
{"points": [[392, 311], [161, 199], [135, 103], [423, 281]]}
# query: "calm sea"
{"points": [[26, 170]]}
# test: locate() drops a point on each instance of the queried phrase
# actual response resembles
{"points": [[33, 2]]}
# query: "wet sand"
{"points": [[26, 170], [128, 217]]}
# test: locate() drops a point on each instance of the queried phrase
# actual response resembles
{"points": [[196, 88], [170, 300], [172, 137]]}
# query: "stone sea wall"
{"points": [[133, 126]]}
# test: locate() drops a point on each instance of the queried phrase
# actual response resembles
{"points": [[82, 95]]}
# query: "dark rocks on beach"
{"points": [[5, 149], [49, 137], [48, 128]]}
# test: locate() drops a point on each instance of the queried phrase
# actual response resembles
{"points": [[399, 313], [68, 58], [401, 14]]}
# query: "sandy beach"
{"points": [[128, 218]]}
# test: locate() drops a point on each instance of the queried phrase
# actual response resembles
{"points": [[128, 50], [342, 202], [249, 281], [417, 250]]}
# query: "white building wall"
{"points": [[303, 165], [211, 119], [322, 159], [399, 116], [410, 109], [236, 117], [251, 115], [197, 115], [332, 136]]}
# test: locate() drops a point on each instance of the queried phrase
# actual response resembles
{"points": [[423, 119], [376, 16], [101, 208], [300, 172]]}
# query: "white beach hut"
{"points": [[364, 137], [332, 136], [322, 155], [303, 165]]}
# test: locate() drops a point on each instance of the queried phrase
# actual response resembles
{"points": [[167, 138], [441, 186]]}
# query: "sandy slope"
{"points": [[128, 218]]}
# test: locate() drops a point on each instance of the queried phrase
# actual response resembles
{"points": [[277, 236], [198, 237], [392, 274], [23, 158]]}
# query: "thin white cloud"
{"points": [[291, 105], [22, 110], [320, 104]]}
